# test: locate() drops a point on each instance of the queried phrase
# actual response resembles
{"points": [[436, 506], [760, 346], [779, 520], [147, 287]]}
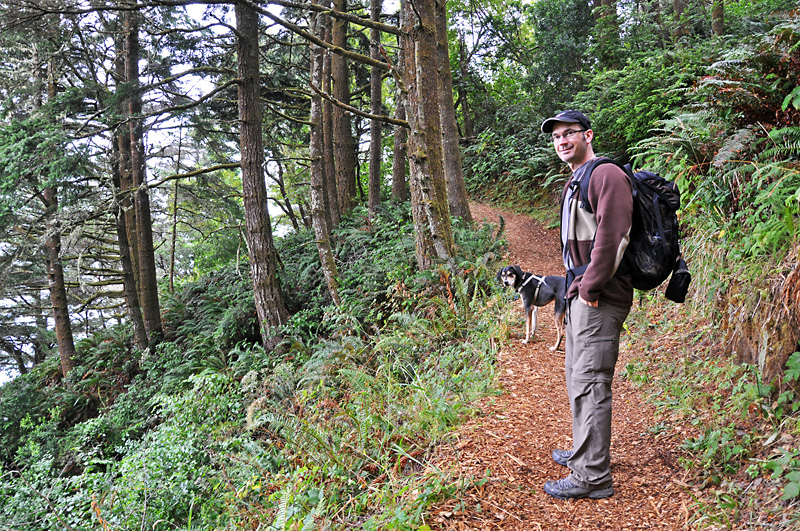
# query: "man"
{"points": [[598, 301]]}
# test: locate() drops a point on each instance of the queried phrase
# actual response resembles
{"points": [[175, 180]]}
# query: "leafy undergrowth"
{"points": [[331, 430], [741, 436]]}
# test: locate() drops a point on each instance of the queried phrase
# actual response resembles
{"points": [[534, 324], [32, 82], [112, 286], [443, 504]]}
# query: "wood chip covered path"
{"points": [[508, 444]]}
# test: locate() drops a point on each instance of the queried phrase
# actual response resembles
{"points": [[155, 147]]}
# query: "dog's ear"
{"points": [[500, 274], [518, 271]]}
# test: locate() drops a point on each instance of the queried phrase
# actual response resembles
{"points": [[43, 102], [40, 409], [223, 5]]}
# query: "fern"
{"points": [[281, 519]]}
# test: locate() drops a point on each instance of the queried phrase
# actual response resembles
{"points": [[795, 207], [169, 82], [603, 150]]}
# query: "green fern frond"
{"points": [[732, 146], [281, 518]]}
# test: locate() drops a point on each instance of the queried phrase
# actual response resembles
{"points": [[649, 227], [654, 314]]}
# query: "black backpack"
{"points": [[654, 250]]}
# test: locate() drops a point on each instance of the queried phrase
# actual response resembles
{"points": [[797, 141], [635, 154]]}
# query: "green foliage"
{"points": [[210, 431], [626, 104], [212, 313], [172, 471], [364, 418], [513, 162], [560, 30]]}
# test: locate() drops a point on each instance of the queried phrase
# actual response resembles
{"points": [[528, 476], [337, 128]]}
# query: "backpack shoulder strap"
{"points": [[584, 184]]}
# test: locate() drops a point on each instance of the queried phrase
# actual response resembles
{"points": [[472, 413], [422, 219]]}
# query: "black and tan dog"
{"points": [[537, 291]]}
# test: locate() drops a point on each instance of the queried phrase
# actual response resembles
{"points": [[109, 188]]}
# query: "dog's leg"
{"points": [[528, 314], [534, 320], [559, 331]]}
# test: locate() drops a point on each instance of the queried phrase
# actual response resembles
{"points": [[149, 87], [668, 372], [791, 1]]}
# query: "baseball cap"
{"points": [[573, 117]]}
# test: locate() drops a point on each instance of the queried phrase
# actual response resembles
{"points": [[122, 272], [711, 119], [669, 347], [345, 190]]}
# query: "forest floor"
{"points": [[503, 452]]}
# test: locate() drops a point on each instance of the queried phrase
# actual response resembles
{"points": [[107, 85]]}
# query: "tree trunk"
{"points": [[16, 353], [400, 160], [718, 17], [55, 277], [39, 341], [55, 269], [399, 166], [469, 127], [428, 187], [129, 290], [263, 256], [318, 219], [332, 212], [679, 6], [345, 146], [454, 175], [124, 214], [375, 101], [148, 281]]}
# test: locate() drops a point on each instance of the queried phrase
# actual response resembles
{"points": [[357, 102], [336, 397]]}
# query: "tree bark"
{"points": [[129, 290], [16, 353], [718, 17], [286, 205], [679, 6], [375, 100], [39, 341], [399, 165], [52, 246], [434, 235], [332, 212], [124, 214], [345, 146], [469, 127], [58, 290], [318, 218], [263, 256], [148, 281], [453, 170]]}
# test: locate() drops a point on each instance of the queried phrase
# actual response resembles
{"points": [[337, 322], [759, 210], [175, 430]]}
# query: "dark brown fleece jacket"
{"points": [[609, 227]]}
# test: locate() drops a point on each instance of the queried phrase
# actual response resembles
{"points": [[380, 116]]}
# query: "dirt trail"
{"points": [[515, 432]]}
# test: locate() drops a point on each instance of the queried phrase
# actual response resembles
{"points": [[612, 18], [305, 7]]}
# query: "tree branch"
{"points": [[359, 112]]}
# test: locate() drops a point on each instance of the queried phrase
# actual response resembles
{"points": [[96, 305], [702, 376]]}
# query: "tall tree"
{"points": [[148, 281], [463, 97], [345, 156], [263, 256], [433, 230], [55, 277], [453, 170], [718, 17], [400, 160], [318, 218], [375, 104], [332, 210], [55, 269], [124, 212]]}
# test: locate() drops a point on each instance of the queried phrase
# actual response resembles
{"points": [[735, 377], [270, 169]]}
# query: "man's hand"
{"points": [[594, 304]]}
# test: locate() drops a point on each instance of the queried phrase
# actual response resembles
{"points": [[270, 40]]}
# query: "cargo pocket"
{"points": [[603, 353]]}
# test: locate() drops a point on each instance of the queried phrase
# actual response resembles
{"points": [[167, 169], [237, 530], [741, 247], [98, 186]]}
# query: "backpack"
{"points": [[654, 250]]}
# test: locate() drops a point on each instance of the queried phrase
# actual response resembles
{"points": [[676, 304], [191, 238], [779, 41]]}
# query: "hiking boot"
{"points": [[562, 456], [563, 489]]}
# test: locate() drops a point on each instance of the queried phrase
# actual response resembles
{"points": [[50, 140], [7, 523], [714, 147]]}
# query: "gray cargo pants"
{"points": [[592, 347]]}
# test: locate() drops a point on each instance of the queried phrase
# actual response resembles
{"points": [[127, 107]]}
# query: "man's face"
{"points": [[573, 144]]}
